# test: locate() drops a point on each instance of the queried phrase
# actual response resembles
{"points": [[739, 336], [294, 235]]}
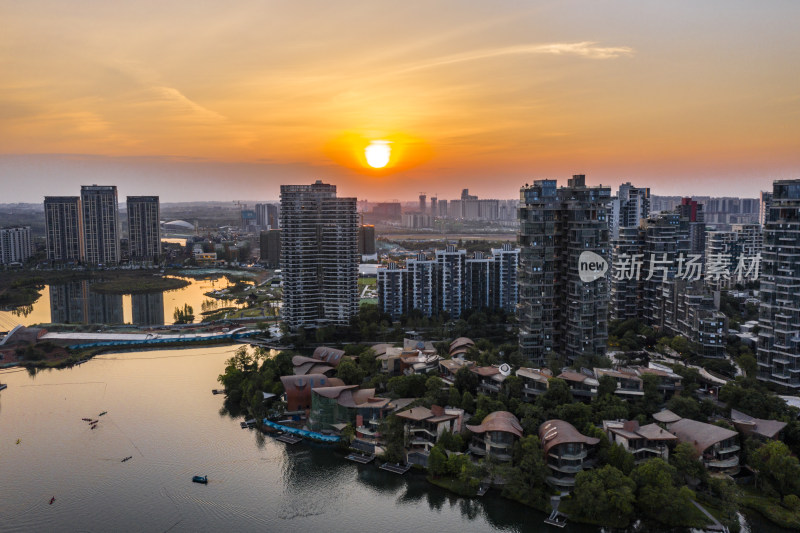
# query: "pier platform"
{"points": [[360, 458], [288, 439], [395, 468]]}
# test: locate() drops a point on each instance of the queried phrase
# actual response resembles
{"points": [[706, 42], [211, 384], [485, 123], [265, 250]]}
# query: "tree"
{"points": [[620, 458], [578, 414], [609, 407], [557, 393], [657, 495], [686, 461], [183, 315], [437, 462], [454, 398], [605, 495], [393, 432], [526, 483], [435, 391], [777, 469], [467, 402], [513, 387], [608, 385], [349, 372], [412, 386], [466, 380]]}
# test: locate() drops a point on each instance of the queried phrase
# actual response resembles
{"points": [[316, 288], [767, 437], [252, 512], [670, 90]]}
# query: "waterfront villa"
{"points": [[332, 408], [717, 447], [567, 452], [423, 426], [534, 382], [644, 442], [583, 387], [298, 389], [494, 438]]}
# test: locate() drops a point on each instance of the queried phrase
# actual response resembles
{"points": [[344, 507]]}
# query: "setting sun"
{"points": [[378, 153]]}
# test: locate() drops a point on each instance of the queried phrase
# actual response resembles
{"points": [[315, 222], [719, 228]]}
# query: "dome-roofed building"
{"points": [[566, 450], [460, 346], [495, 436]]}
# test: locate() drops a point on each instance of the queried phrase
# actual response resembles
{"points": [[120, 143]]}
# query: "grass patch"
{"points": [[770, 508], [453, 485], [138, 285]]}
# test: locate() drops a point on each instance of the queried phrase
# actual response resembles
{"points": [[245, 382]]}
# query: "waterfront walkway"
{"points": [[717, 525]]}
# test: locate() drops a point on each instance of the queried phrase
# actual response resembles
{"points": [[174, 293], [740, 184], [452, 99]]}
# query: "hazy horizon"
{"points": [[190, 101]]}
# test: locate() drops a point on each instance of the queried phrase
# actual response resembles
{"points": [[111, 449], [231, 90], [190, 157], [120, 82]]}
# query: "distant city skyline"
{"points": [[192, 101]]}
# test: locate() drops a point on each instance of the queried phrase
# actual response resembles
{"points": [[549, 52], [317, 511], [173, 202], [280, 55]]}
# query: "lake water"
{"points": [[162, 413], [75, 303]]}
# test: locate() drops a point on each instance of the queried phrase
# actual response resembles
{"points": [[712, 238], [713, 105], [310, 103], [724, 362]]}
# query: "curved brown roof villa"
{"points": [[298, 389], [460, 346], [498, 421], [555, 432]]}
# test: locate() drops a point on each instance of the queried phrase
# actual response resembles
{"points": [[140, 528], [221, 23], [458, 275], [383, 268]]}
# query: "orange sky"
{"points": [[212, 100]]}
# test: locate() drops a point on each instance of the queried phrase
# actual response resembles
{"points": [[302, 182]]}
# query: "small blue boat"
{"points": [[200, 479]]}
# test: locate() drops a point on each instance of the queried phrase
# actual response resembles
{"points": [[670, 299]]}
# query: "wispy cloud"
{"points": [[587, 49]]}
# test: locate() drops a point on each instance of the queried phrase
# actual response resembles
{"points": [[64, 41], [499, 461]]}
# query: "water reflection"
{"points": [[75, 303], [148, 309]]}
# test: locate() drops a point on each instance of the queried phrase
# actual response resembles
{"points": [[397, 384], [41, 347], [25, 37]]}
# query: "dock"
{"points": [[288, 439], [395, 468], [556, 519], [360, 458]]}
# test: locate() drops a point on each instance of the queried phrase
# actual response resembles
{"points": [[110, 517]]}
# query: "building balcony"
{"points": [[577, 456], [564, 482], [477, 449], [723, 464]]}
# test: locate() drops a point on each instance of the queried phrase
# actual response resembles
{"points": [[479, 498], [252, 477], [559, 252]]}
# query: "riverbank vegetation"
{"points": [[618, 490]]}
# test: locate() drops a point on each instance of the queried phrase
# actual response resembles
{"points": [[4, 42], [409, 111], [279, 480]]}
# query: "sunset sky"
{"points": [[207, 100]]}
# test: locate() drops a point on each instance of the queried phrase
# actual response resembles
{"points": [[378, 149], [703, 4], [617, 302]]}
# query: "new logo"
{"points": [[591, 267]]}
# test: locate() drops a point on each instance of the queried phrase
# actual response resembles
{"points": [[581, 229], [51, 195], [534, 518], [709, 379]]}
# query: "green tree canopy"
{"points": [[605, 496]]}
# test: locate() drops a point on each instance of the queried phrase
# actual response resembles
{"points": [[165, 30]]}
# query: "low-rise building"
{"points": [[298, 389], [494, 438], [459, 347], [324, 360], [566, 451], [582, 386], [423, 426], [534, 382], [448, 368], [644, 442], [491, 378], [628, 383], [333, 408], [717, 447], [756, 427]]}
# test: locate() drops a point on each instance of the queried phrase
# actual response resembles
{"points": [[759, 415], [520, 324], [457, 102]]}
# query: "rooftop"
{"points": [[498, 421], [555, 432]]}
